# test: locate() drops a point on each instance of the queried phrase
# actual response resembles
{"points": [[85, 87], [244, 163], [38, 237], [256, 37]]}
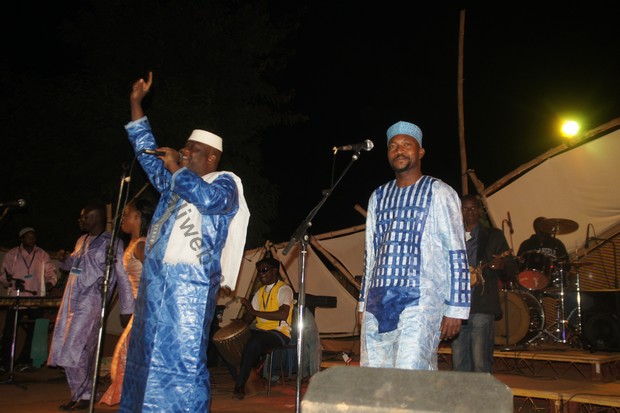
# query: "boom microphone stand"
{"points": [[110, 260], [19, 286], [300, 235]]}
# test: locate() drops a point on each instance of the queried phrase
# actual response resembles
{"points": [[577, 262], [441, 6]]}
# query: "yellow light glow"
{"points": [[570, 128]]}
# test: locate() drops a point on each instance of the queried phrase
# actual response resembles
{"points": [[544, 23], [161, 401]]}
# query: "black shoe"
{"points": [[80, 405], [66, 406], [25, 368], [238, 393]]}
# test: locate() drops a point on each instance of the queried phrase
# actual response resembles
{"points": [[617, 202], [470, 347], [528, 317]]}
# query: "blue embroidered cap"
{"points": [[405, 128]]}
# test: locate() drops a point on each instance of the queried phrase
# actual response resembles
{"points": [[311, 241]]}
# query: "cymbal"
{"points": [[558, 226]]}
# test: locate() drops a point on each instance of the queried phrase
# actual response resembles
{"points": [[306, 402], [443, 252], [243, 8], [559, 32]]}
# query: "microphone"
{"points": [[19, 203], [366, 146], [587, 243], [512, 231], [160, 153], [154, 152]]}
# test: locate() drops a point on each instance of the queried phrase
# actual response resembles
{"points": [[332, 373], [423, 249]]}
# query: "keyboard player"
{"points": [[30, 267]]}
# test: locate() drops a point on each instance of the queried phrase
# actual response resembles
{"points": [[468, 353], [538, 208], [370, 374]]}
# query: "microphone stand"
{"points": [[300, 236], [19, 286], [110, 260]]}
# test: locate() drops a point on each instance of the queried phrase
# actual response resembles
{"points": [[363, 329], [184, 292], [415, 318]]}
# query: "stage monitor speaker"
{"points": [[600, 320], [378, 390]]}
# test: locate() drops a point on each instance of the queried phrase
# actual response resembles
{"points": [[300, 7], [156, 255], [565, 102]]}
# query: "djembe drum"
{"points": [[230, 341]]}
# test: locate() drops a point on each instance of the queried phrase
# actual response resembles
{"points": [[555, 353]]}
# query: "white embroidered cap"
{"points": [[207, 138], [25, 231]]}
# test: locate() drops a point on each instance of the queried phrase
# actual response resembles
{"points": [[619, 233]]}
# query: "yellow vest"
{"points": [[268, 301]]}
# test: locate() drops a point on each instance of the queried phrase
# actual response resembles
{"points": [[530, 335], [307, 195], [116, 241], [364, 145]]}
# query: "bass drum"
{"points": [[537, 270], [523, 319]]}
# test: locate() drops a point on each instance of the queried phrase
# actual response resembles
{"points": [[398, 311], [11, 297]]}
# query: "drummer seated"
{"points": [[542, 254], [272, 309], [544, 242]]}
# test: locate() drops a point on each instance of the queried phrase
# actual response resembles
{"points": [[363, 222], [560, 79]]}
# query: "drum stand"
{"points": [[560, 331], [19, 286]]}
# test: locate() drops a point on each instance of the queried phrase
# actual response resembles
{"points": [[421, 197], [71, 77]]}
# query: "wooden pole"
{"points": [[464, 187]]}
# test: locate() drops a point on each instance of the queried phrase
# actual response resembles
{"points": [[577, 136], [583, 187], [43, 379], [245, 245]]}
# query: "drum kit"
{"points": [[542, 278]]}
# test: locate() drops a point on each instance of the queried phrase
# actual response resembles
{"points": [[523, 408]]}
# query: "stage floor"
{"points": [[45, 389], [42, 391]]}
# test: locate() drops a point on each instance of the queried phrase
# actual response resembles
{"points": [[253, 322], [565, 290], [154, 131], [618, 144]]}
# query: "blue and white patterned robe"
{"points": [[416, 272]]}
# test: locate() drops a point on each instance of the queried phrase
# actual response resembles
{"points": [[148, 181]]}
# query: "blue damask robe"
{"points": [[166, 363]]}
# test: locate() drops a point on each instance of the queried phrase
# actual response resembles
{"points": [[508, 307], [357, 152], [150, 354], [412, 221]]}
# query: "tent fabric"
{"points": [[349, 250]]}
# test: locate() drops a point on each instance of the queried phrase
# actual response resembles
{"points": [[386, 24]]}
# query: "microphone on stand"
{"points": [[365, 146], [19, 283], [512, 231], [19, 203]]}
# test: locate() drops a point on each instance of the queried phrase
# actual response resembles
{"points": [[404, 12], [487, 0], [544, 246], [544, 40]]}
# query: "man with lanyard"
{"points": [[30, 268], [74, 342], [272, 307]]}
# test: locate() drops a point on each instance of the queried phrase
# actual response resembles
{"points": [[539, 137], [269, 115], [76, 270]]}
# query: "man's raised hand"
{"points": [[141, 88]]}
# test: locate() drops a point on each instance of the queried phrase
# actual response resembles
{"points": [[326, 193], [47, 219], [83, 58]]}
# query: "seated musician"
{"points": [[30, 269], [543, 242], [272, 308], [544, 252]]}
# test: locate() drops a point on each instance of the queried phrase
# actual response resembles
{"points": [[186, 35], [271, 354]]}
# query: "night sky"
{"points": [[362, 68], [359, 68]]}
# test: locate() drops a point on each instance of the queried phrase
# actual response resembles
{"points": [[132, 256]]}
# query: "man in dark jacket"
{"points": [[489, 260]]}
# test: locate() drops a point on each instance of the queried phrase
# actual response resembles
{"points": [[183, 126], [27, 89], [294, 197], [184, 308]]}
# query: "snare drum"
{"points": [[536, 270], [230, 340], [523, 318]]}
